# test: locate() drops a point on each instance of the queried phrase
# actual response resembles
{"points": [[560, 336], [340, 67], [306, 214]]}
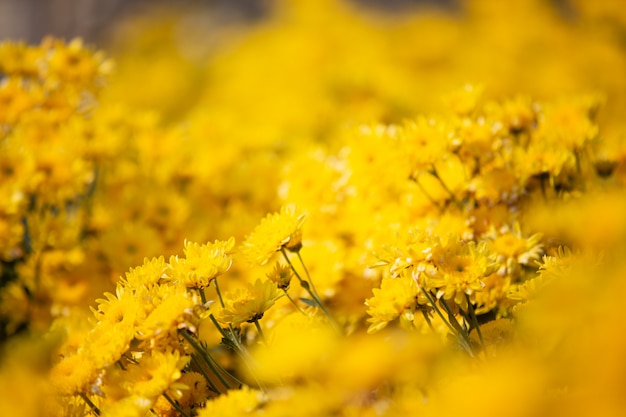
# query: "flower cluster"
{"points": [[322, 235]]}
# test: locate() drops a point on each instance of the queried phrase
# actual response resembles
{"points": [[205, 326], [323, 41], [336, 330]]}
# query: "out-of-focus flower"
{"points": [[275, 232], [249, 303], [202, 263]]}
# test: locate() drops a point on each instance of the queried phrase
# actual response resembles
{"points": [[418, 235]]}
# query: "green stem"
{"points": [[308, 277], [458, 333], [294, 303], [218, 327], [233, 337], [202, 295], [428, 196], [454, 321], [91, 405], [219, 293], [295, 271], [438, 311], [206, 357], [225, 372], [176, 405], [430, 324], [305, 284], [258, 328], [433, 172], [214, 387], [475, 320]]}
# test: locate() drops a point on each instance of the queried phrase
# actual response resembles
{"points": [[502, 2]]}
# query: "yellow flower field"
{"points": [[331, 211]]}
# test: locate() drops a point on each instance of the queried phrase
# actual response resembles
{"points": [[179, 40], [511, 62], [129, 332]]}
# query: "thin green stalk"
{"points": [[430, 324], [224, 371], [91, 405], [432, 302], [202, 295], [218, 327], [219, 293], [433, 172], [206, 357], [214, 387], [176, 405], [307, 287], [294, 303], [308, 277], [428, 196], [258, 328], [454, 321], [233, 337], [438, 311], [475, 320], [295, 271]]}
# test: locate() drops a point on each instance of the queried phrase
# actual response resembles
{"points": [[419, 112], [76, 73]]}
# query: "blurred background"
{"points": [[93, 20]]}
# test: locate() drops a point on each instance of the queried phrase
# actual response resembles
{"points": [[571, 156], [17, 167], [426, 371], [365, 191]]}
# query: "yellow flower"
{"points": [[426, 141], [73, 374], [20, 59], [513, 249], [396, 297], [276, 231], [116, 308], [202, 263], [281, 275], [145, 275], [552, 268], [133, 405], [74, 63], [460, 269], [196, 390], [249, 303], [173, 312], [106, 343], [463, 100], [234, 403], [154, 373]]}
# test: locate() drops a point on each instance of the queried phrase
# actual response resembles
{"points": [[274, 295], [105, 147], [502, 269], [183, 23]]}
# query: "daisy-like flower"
{"points": [[146, 275], [513, 249], [276, 231], [155, 373], [202, 263], [281, 275], [174, 311], [121, 308], [460, 270], [248, 304], [234, 403], [395, 297]]}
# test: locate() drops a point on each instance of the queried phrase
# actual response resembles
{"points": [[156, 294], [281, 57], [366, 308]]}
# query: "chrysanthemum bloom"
{"points": [[276, 231], [248, 304], [234, 403], [460, 270], [396, 297], [202, 263], [146, 275], [281, 276], [154, 373], [174, 311]]}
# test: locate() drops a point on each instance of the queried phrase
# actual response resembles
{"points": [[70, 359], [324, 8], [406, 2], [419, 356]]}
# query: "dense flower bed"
{"points": [[321, 217]]}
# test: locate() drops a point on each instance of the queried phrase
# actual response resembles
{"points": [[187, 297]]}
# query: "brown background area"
{"points": [[30, 20]]}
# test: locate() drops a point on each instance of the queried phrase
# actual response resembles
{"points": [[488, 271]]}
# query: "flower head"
{"points": [[395, 297], [281, 275], [202, 263], [234, 403], [276, 231], [249, 303]]}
